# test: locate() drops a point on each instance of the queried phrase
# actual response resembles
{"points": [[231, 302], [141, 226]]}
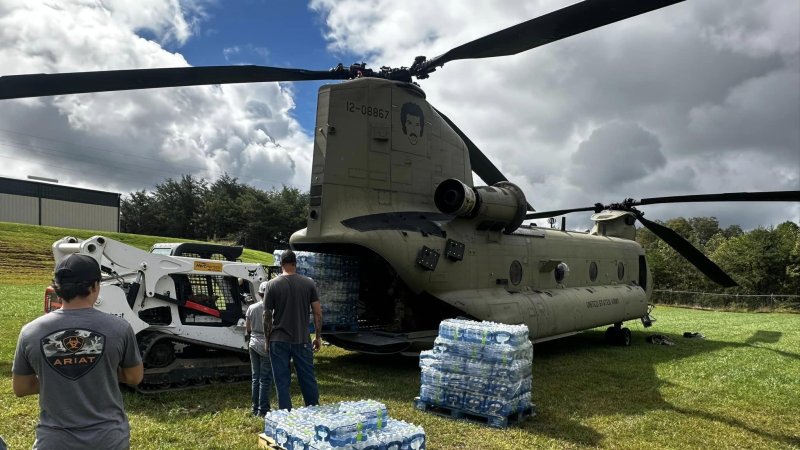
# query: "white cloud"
{"points": [[746, 118], [754, 28], [708, 90], [170, 20], [615, 154], [134, 139], [243, 54]]}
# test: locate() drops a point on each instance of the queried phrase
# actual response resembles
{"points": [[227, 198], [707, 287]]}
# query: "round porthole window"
{"points": [[561, 272], [593, 271], [515, 272], [620, 270]]}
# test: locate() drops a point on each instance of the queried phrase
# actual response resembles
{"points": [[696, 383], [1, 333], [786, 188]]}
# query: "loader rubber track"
{"points": [[224, 366]]}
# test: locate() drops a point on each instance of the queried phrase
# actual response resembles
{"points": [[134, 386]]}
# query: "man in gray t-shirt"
{"points": [[75, 358], [287, 302]]}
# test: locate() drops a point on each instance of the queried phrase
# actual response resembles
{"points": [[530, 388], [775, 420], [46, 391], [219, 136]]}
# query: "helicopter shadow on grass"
{"points": [[390, 377], [769, 337], [340, 377], [581, 376]]}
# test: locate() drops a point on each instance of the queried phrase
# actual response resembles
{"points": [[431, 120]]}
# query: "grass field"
{"points": [[738, 388]]}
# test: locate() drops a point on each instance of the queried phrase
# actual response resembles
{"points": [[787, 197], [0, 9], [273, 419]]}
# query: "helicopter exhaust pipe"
{"points": [[499, 207]]}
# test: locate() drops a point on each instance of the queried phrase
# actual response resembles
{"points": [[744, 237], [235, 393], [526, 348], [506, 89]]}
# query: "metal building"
{"points": [[35, 203]]}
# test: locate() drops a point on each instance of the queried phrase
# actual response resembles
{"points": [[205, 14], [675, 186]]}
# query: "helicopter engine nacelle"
{"points": [[499, 207]]}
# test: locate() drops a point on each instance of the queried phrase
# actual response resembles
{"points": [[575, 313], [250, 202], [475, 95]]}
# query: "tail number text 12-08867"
{"points": [[367, 110]]}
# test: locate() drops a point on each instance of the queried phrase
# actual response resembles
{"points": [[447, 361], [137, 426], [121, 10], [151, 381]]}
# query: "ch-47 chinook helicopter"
{"points": [[391, 184]]}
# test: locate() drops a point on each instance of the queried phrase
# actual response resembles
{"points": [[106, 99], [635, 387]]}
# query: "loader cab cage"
{"points": [[209, 296]]}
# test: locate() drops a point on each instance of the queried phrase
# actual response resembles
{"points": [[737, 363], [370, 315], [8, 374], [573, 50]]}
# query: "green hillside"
{"points": [[737, 388], [26, 255]]}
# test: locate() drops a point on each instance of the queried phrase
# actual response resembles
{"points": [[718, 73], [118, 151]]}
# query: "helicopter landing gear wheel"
{"points": [[610, 335], [625, 338], [619, 336]]}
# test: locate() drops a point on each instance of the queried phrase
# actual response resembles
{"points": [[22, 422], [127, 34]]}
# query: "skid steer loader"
{"points": [[186, 306]]}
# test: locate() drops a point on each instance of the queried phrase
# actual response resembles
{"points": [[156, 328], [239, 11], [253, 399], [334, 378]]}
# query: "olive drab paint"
{"points": [[380, 152]]}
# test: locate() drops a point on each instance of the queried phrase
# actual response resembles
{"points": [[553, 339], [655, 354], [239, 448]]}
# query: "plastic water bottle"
{"points": [[431, 394], [417, 440], [474, 401], [276, 257], [316, 445], [369, 443], [392, 440], [274, 420], [282, 434]]}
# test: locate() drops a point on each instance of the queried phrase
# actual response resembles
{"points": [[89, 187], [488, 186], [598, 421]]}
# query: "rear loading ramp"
{"points": [[378, 342]]}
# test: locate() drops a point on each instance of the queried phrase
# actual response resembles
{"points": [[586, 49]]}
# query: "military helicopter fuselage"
{"points": [[392, 184]]}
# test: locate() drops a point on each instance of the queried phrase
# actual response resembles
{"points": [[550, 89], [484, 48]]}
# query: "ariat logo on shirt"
{"points": [[73, 352]]}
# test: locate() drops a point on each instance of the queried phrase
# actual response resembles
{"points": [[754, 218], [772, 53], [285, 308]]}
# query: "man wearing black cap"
{"points": [[75, 358], [287, 302]]}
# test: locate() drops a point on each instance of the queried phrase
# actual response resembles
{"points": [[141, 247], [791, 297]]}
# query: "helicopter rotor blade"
{"points": [[767, 196], [480, 163], [565, 22], [688, 251], [772, 196], [673, 239], [559, 212], [37, 85]]}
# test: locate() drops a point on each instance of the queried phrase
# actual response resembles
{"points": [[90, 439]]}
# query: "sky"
{"points": [[699, 97]]}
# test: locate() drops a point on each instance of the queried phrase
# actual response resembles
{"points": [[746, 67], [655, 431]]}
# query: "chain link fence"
{"points": [[713, 300]]}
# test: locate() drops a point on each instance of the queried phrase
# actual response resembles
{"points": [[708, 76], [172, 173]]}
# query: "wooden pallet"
{"points": [[471, 416], [267, 442]]}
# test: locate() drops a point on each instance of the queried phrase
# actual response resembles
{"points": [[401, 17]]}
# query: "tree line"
{"points": [[762, 261], [225, 210]]}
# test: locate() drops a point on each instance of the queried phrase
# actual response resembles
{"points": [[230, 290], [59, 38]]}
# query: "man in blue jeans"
{"points": [[259, 356], [288, 299]]}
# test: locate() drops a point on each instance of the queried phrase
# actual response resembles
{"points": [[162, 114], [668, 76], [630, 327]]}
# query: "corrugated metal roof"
{"points": [[57, 192]]}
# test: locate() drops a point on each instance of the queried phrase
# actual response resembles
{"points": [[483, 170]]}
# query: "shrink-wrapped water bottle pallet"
{"points": [[471, 416], [267, 442]]}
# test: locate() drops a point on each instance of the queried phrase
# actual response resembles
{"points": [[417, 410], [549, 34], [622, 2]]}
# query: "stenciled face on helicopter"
{"points": [[413, 121]]}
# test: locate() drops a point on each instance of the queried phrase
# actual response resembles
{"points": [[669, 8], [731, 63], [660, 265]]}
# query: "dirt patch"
{"points": [[24, 263]]}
